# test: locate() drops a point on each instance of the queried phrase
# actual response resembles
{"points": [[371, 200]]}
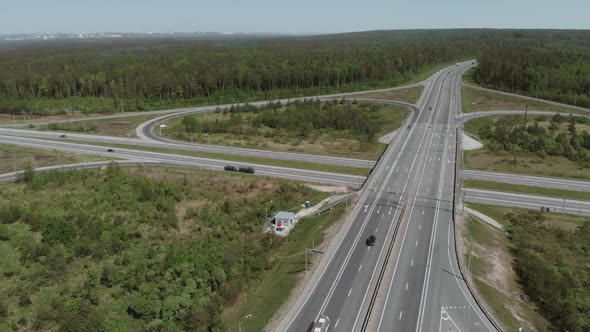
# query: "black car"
{"points": [[371, 240], [62, 136], [110, 150], [408, 127], [429, 107]]}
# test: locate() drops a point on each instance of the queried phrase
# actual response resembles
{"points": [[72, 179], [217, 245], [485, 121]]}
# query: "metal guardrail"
{"points": [[463, 275], [367, 319]]}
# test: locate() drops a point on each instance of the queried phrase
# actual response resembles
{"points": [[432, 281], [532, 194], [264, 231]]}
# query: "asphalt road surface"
{"points": [[528, 180], [352, 181], [411, 188], [560, 205], [289, 156]]}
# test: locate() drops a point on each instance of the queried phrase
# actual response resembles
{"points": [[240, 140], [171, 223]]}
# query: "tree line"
{"points": [[538, 69]]}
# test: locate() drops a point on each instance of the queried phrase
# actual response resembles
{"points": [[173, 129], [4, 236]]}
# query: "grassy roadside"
{"points": [[410, 95], [474, 100], [493, 276], [553, 166], [120, 127], [12, 156], [506, 187], [262, 301], [243, 159], [493, 264]]}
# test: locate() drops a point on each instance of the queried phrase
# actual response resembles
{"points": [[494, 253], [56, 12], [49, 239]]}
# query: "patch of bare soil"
{"points": [[329, 189], [114, 128]]}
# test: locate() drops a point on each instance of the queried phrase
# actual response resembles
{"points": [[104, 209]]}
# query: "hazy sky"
{"points": [[293, 16]]}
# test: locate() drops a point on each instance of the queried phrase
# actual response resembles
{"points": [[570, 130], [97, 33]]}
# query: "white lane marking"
{"points": [[376, 230], [382, 215], [412, 264], [391, 208], [400, 315], [406, 286], [360, 267], [420, 226], [349, 292], [379, 209], [338, 320], [411, 211], [366, 207], [422, 212], [424, 296], [416, 243]]}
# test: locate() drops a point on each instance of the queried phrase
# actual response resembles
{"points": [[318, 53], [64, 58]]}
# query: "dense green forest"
{"points": [[552, 266], [121, 250], [544, 136], [146, 74], [548, 70]]}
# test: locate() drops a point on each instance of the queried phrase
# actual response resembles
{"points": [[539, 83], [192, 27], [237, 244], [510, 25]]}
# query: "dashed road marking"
{"points": [[360, 267], [349, 292]]}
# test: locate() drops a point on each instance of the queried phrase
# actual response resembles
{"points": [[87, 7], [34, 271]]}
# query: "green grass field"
{"points": [[121, 127], [474, 100], [15, 157], [552, 166]]}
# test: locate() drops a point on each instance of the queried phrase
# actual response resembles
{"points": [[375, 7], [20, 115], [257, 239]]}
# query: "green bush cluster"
{"points": [[297, 119], [104, 250], [552, 267], [510, 134]]}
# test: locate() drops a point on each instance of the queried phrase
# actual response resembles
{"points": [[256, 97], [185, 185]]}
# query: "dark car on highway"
{"points": [[371, 240], [62, 136], [110, 150]]}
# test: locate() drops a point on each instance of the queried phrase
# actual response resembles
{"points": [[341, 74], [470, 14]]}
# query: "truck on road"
{"points": [[231, 168]]}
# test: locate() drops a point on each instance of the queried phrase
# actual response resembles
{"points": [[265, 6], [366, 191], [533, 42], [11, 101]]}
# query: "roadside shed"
{"points": [[283, 220]]}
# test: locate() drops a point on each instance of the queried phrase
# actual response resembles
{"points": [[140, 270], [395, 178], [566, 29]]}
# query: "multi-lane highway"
{"points": [[221, 150], [179, 160], [409, 195]]}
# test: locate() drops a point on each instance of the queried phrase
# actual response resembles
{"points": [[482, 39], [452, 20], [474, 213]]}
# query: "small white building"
{"points": [[283, 221]]}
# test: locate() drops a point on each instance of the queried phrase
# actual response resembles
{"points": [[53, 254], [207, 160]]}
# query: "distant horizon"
{"points": [[277, 33], [303, 17]]}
